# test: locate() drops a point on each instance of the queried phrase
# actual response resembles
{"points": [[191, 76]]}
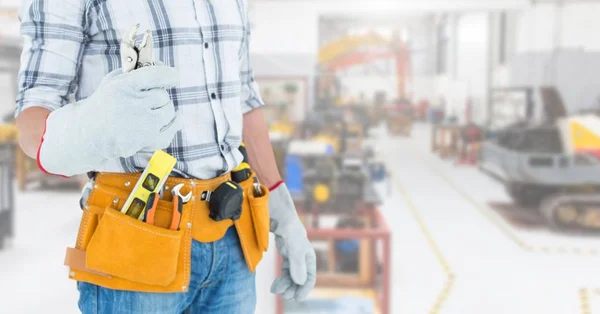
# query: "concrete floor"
{"points": [[452, 254], [488, 265]]}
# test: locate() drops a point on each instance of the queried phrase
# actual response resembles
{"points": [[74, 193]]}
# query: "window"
{"points": [[443, 39], [502, 47]]}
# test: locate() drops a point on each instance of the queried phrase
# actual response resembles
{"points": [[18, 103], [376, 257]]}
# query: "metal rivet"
{"points": [[184, 288], [95, 186], [189, 225], [127, 183], [193, 183], [115, 200], [72, 274], [129, 59], [166, 187], [87, 206]]}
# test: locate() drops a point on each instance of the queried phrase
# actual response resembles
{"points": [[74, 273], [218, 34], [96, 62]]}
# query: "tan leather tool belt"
{"points": [[118, 252]]}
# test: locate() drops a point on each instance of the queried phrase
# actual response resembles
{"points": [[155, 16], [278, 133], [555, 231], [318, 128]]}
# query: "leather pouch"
{"points": [[118, 252], [246, 227], [121, 253], [127, 248], [259, 207]]}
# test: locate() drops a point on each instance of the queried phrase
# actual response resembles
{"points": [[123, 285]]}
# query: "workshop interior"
{"points": [[443, 155]]}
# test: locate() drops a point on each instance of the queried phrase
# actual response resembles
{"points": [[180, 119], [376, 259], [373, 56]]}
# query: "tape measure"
{"points": [[242, 172], [225, 202]]}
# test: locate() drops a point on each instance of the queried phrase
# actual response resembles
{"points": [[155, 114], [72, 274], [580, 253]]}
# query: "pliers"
{"points": [[178, 201], [134, 56]]}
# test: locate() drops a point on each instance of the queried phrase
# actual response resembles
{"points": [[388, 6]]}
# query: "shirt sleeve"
{"points": [[53, 34], [250, 95]]}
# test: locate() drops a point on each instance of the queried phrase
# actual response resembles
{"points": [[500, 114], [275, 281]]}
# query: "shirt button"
{"points": [[213, 96], [206, 45]]}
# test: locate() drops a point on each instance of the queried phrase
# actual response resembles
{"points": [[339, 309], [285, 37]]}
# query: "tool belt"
{"points": [[119, 252]]}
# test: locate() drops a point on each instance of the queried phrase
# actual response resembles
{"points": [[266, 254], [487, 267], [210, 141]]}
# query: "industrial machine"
{"points": [[325, 181], [369, 51], [550, 166], [352, 50], [344, 128], [399, 117]]}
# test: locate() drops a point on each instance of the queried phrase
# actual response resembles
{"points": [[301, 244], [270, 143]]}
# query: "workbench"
{"points": [[445, 140], [371, 279], [336, 287], [399, 124], [369, 201]]}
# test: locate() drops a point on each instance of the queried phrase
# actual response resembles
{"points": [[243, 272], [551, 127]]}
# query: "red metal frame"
{"points": [[381, 232]]}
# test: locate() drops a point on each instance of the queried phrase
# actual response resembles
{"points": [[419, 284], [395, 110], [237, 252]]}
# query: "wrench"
{"points": [[176, 191]]}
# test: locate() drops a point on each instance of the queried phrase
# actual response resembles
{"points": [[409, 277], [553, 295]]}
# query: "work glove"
{"points": [[299, 268], [128, 113]]}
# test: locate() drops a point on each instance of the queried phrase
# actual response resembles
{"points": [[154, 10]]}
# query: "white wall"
{"points": [[535, 29], [290, 26], [580, 26], [284, 28], [577, 25], [420, 84], [467, 71], [555, 45]]}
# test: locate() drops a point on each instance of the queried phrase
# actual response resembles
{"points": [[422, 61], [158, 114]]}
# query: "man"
{"points": [[197, 104]]}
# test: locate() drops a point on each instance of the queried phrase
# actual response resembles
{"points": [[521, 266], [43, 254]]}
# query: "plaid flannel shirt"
{"points": [[69, 46]]}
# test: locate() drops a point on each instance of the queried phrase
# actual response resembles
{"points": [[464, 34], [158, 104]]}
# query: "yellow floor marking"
{"points": [[450, 277], [584, 294], [584, 301], [503, 226]]}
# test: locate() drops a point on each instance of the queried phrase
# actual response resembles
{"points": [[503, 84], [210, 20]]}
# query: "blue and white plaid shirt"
{"points": [[69, 46]]}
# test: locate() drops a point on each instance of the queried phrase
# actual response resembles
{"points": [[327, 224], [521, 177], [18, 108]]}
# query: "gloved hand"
{"points": [[299, 270], [128, 113]]}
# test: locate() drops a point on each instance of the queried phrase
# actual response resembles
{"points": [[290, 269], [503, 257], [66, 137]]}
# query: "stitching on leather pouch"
{"points": [[104, 191], [242, 239], [115, 195], [139, 227], [170, 178], [84, 222], [96, 210], [83, 226], [245, 249], [188, 244]]}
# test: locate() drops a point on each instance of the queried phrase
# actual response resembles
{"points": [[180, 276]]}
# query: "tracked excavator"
{"points": [[553, 166]]}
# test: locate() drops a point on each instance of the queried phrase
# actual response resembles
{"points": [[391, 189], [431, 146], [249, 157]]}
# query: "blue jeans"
{"points": [[220, 283]]}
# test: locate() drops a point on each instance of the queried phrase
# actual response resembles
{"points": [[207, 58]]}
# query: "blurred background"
{"points": [[444, 156]]}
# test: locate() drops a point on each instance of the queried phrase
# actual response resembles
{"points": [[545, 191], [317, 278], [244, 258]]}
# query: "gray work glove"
{"points": [[299, 270], [128, 113]]}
